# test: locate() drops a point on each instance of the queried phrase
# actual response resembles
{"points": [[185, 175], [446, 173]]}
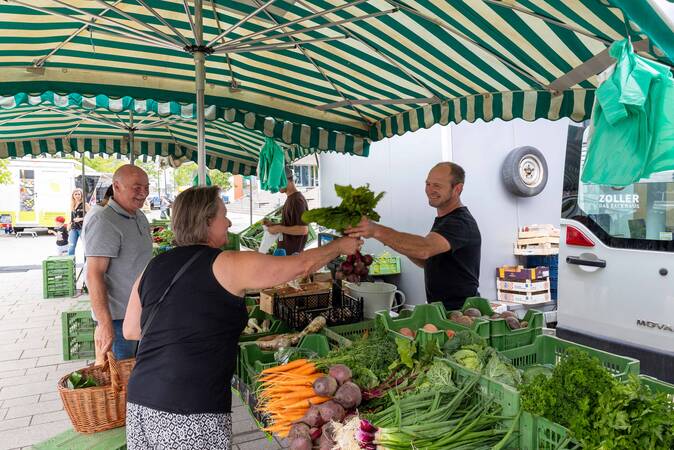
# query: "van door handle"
{"points": [[577, 260]]}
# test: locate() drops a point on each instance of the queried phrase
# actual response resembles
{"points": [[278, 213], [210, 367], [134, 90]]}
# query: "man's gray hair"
{"points": [[290, 175], [457, 172]]}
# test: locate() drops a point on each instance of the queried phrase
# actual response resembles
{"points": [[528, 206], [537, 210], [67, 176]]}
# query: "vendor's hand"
{"points": [[349, 245], [274, 229], [103, 337], [365, 229]]}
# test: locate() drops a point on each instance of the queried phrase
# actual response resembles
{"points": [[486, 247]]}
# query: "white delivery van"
{"points": [[616, 264], [40, 190]]}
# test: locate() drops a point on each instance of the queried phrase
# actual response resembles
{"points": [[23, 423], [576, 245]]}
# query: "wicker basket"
{"points": [[102, 407]]}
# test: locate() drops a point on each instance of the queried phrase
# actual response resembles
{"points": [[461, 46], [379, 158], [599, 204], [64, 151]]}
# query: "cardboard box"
{"points": [[267, 295]]}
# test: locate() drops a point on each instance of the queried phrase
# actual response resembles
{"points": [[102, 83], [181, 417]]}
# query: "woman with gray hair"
{"points": [[179, 393]]}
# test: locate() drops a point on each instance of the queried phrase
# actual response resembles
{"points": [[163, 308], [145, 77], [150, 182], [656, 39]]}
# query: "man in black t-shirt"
{"points": [[450, 253], [294, 230]]}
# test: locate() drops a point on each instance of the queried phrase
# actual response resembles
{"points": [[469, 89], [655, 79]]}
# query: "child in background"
{"points": [[61, 232]]}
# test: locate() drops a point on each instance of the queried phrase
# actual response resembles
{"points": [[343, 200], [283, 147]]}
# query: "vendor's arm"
{"points": [[131, 328], [295, 230], [237, 271], [417, 248]]}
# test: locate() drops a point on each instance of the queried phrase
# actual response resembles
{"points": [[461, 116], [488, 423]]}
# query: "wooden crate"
{"points": [[536, 230], [267, 295]]}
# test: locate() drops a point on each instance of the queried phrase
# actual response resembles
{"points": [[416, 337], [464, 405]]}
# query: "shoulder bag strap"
{"points": [[166, 291]]}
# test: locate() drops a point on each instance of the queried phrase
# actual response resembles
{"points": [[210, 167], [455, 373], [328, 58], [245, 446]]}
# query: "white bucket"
{"points": [[376, 296]]}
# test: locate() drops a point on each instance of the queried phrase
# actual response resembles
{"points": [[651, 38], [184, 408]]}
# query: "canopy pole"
{"points": [[132, 132], [84, 184], [200, 78], [250, 189]]}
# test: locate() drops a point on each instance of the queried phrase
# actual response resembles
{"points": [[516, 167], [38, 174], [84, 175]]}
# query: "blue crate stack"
{"points": [[550, 261]]}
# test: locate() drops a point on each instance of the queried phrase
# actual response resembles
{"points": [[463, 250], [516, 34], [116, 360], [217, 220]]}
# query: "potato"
{"points": [[407, 332], [466, 321], [505, 314], [430, 328], [455, 315], [513, 323], [496, 316], [472, 312], [450, 334], [524, 324]]}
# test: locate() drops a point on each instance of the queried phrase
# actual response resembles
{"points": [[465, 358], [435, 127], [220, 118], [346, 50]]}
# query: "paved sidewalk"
{"points": [[31, 362]]}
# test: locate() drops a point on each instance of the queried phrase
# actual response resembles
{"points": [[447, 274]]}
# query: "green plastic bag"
{"points": [[632, 134], [271, 167]]}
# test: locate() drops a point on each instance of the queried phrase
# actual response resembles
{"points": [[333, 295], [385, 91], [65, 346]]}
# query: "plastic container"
{"points": [[344, 335], [298, 311], [58, 276], [385, 265], [275, 327], [501, 337], [433, 313], [547, 350], [78, 347], [539, 433], [656, 385]]}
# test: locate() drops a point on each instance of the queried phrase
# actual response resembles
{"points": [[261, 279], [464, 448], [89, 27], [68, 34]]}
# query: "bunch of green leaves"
{"points": [[356, 203], [77, 381], [414, 357], [368, 358], [499, 368], [571, 395], [464, 338], [629, 416]]}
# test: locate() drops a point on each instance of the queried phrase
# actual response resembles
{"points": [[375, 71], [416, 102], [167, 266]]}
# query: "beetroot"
{"points": [[299, 429], [325, 386], [312, 417], [341, 373], [301, 443], [325, 442], [314, 434], [331, 410], [348, 395]]}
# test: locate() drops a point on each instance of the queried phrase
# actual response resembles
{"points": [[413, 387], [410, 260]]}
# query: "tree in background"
{"points": [[184, 175], [5, 174]]}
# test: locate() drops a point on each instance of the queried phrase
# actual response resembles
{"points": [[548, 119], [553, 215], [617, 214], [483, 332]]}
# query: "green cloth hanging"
{"points": [[632, 134], [271, 168]]}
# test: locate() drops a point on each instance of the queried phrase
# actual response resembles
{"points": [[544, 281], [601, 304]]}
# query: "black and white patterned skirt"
{"points": [[149, 429]]}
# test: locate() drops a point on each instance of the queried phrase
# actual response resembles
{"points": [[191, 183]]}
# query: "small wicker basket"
{"points": [[102, 407]]}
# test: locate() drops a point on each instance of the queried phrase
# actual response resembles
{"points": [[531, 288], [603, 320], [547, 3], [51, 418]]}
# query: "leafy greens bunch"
{"points": [[356, 203]]}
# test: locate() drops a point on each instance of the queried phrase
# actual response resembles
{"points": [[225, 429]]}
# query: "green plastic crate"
{"points": [[656, 385], [58, 276], [78, 347], [114, 439], [501, 337], [433, 313], [547, 350], [77, 323], [539, 433], [252, 360], [277, 326], [385, 265], [344, 335]]}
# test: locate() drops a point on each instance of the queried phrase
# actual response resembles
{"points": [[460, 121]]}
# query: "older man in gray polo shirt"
{"points": [[118, 247]]}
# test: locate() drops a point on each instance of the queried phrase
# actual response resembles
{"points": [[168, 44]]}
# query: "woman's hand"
{"points": [[349, 245]]}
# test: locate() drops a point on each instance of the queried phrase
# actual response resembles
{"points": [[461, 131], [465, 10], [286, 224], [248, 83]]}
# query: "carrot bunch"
{"points": [[286, 393]]}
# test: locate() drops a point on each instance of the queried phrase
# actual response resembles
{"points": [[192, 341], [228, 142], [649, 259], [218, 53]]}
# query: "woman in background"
{"points": [[78, 208]]}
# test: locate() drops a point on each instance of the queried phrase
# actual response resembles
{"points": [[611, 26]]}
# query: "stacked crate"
{"points": [[537, 240], [517, 284], [77, 332], [58, 276]]}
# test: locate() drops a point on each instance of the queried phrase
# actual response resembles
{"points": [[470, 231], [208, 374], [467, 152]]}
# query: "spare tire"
{"points": [[525, 172]]}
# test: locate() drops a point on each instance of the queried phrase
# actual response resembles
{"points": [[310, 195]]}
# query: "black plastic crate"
{"points": [[298, 311]]}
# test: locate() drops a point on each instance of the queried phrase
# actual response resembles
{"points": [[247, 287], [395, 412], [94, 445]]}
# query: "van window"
{"points": [[639, 216]]}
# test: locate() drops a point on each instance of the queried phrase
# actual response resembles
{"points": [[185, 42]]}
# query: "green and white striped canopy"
{"points": [[54, 124], [330, 74]]}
